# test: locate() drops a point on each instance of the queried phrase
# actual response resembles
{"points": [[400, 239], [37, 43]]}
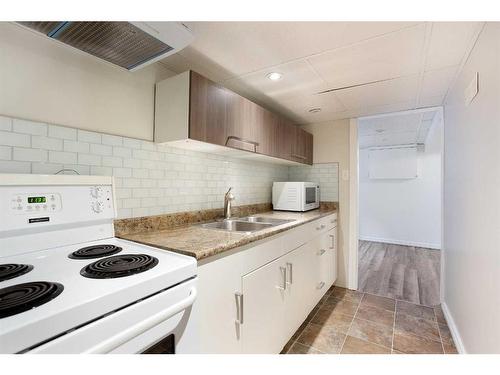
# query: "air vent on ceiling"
{"points": [[129, 45]]}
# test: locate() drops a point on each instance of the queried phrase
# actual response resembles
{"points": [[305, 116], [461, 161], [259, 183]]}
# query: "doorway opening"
{"points": [[400, 205]]}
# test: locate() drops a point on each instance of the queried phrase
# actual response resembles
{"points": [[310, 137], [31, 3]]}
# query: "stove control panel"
{"points": [[100, 199], [35, 203]]}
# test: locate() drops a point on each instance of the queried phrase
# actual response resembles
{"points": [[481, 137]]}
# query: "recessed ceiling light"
{"points": [[274, 76], [315, 110]]}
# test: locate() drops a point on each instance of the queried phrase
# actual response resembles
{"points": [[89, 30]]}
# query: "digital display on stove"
{"points": [[37, 199]]}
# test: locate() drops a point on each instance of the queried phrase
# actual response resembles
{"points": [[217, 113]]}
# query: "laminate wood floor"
{"points": [[401, 272]]}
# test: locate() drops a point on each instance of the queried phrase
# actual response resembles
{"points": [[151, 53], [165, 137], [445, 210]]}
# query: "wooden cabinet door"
{"points": [[243, 117], [267, 134], [263, 329], [286, 134], [308, 147], [207, 110], [301, 286]]}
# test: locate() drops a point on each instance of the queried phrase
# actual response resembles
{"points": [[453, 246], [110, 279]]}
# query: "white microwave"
{"points": [[295, 196]]}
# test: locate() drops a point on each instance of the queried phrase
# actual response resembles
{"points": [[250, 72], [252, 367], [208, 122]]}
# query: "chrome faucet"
{"points": [[228, 198]]}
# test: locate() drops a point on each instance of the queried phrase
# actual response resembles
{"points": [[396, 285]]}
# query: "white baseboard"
{"points": [[399, 242], [453, 329]]}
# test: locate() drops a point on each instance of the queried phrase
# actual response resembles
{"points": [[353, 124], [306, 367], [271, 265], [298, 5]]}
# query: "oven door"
{"points": [[311, 197], [157, 324]]}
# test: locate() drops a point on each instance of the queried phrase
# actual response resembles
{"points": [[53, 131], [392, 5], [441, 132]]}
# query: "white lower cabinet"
{"points": [[263, 290], [253, 299]]}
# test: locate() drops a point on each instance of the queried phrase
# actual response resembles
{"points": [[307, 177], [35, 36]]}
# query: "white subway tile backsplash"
{"points": [[29, 154], [14, 139], [112, 161], [90, 137], [101, 149], [112, 140], [62, 132], [150, 179], [73, 146], [122, 152], [5, 153], [47, 143], [5, 123], [29, 127], [11, 166], [89, 159], [62, 157]]}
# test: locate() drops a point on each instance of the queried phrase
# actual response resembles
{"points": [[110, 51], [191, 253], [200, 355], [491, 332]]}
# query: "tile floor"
{"points": [[351, 322]]}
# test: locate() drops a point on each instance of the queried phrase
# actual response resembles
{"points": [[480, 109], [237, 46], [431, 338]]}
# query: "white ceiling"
{"points": [[397, 129], [415, 62]]}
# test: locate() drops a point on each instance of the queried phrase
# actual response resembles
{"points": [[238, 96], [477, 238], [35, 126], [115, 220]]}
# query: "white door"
{"points": [[263, 327]]}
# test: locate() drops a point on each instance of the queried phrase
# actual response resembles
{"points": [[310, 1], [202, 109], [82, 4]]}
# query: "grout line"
{"points": [[439, 331], [350, 325], [394, 325]]}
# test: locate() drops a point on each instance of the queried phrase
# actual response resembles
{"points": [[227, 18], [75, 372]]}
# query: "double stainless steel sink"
{"points": [[247, 224]]}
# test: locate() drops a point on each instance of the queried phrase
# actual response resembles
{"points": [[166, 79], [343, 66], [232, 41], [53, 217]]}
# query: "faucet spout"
{"points": [[228, 198]]}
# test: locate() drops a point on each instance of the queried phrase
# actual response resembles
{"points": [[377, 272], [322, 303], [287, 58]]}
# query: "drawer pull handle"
{"points": [[239, 308], [322, 226], [283, 273], [290, 272], [321, 285], [321, 252]]}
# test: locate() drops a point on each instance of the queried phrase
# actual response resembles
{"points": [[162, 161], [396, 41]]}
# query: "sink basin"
{"points": [[247, 224], [267, 220], [237, 226]]}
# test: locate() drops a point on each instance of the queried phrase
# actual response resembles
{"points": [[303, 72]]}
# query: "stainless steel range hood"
{"points": [[130, 45]]}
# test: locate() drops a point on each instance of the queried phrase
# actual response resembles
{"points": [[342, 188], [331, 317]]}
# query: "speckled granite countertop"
{"points": [[200, 243]]}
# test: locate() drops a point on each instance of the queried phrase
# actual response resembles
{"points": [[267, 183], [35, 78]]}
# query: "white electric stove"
{"points": [[67, 285]]}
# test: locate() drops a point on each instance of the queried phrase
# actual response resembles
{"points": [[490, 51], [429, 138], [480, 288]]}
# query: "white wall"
{"points": [[404, 211], [331, 145], [472, 201], [44, 80]]}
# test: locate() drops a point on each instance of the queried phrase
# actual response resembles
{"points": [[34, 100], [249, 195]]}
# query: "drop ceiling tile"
{"points": [[430, 101], [298, 79], [436, 82], [393, 55], [449, 42], [242, 47], [380, 94], [358, 31]]}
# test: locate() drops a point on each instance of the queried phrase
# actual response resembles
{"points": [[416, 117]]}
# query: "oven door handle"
{"points": [[115, 341]]}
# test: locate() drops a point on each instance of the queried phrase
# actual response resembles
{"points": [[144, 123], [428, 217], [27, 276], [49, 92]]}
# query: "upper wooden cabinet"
{"points": [[191, 107]]}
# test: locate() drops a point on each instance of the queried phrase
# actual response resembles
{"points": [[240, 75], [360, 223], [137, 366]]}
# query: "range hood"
{"points": [[130, 45]]}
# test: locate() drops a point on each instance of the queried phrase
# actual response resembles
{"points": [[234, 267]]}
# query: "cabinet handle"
{"points": [[321, 285], [332, 236], [290, 272], [321, 252], [254, 144], [283, 273], [322, 226], [299, 156], [239, 307]]}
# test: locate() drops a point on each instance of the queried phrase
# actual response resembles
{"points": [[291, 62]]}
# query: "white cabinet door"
{"points": [[326, 257], [332, 233], [300, 289], [263, 328]]}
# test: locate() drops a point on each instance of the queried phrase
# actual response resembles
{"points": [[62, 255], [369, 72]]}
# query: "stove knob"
{"points": [[97, 207], [95, 192]]}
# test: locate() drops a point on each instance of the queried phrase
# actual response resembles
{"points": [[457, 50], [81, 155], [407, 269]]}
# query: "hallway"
{"points": [[401, 272]]}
